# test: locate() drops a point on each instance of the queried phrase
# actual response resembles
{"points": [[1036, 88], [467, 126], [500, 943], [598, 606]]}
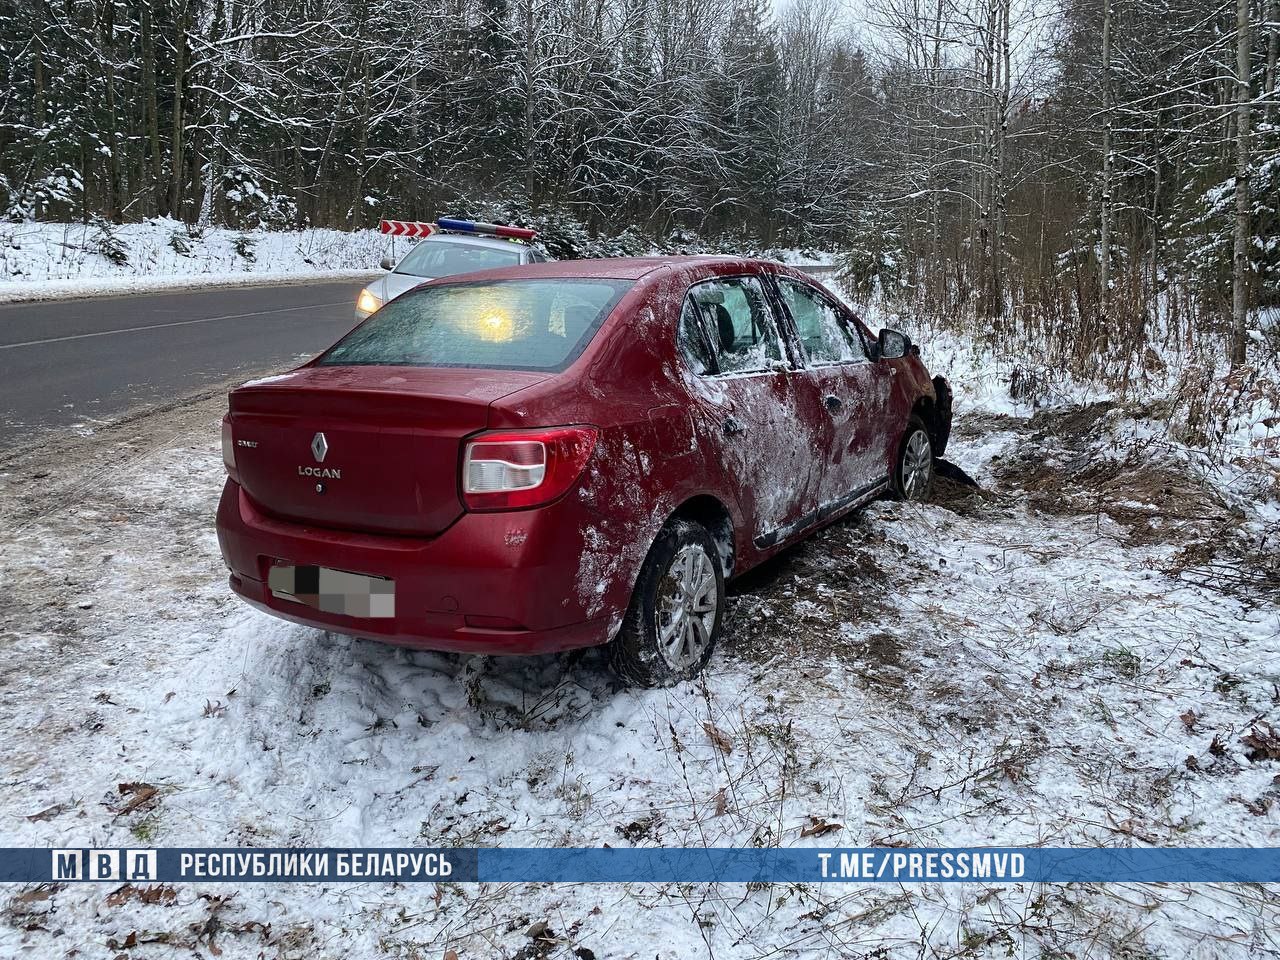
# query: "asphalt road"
{"points": [[73, 362]]}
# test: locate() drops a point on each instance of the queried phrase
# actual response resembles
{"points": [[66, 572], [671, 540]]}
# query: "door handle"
{"points": [[832, 402], [733, 426]]}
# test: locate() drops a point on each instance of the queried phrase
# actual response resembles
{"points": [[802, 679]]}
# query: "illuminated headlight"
{"points": [[367, 302]]}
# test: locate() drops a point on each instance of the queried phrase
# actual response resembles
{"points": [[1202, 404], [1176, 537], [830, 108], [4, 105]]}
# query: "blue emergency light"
{"points": [[495, 229]]}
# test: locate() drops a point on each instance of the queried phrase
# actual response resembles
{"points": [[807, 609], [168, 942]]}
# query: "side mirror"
{"points": [[893, 344], [388, 263]]}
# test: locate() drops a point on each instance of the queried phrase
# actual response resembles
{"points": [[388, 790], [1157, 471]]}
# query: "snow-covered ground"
{"points": [[1070, 655], [45, 261]]}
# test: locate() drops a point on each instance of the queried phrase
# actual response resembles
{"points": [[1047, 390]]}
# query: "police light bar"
{"points": [[496, 229]]}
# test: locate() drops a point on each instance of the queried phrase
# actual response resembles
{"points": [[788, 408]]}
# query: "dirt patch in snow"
{"points": [[1067, 464], [1082, 462], [812, 601], [960, 493], [972, 425]]}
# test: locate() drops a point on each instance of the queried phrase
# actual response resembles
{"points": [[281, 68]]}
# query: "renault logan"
{"points": [[551, 456]]}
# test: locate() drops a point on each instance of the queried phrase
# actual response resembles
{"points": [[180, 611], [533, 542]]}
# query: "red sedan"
{"points": [[551, 456]]}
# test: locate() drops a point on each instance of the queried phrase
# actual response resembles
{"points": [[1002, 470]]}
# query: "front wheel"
{"points": [[913, 471], [673, 621]]}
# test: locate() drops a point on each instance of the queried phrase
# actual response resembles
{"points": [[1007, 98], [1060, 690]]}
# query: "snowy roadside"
{"points": [[47, 261], [125, 286], [1050, 660]]}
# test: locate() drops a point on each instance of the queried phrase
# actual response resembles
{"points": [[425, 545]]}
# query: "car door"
{"points": [[840, 383], [745, 404]]}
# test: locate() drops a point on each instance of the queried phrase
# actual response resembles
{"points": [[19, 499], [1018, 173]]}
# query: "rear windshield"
{"points": [[444, 259], [500, 324]]}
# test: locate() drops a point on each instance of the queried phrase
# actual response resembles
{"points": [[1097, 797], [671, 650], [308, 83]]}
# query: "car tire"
{"points": [[912, 477], [673, 620]]}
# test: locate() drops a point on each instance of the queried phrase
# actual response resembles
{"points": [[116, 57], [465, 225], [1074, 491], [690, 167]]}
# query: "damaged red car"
{"points": [[551, 456]]}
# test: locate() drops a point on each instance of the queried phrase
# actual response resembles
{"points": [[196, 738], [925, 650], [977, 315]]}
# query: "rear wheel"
{"points": [[913, 471], [673, 622]]}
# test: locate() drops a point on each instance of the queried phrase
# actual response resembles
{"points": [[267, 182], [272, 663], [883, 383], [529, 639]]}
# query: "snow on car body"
{"points": [[558, 455]]}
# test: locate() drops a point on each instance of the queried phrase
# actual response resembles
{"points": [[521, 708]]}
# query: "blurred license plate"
{"points": [[334, 591]]}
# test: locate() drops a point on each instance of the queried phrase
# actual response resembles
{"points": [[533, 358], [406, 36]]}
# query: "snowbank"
{"points": [[52, 261], [124, 286], [43, 261]]}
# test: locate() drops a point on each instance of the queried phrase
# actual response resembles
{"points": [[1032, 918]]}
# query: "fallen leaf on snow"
{"points": [[721, 802], [38, 895], [890, 842], [1189, 720], [1132, 828], [153, 894], [1262, 742], [50, 812], [820, 828], [141, 793], [1258, 808], [718, 737], [637, 830]]}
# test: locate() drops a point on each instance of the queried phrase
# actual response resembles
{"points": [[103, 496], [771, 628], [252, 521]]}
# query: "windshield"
{"points": [[503, 324], [442, 259]]}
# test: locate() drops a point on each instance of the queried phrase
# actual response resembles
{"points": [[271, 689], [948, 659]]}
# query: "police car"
{"points": [[449, 247]]}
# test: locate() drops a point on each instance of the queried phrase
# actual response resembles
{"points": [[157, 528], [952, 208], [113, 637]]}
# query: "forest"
{"points": [[1104, 170]]}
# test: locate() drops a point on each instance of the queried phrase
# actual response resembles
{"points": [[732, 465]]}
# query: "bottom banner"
{"points": [[698, 865]]}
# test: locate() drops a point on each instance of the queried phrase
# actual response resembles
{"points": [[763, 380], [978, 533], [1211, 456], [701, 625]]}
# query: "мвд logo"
{"points": [[98, 864]]}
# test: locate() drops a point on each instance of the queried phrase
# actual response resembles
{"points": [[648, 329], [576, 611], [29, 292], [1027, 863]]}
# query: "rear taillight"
{"points": [[228, 448], [514, 469]]}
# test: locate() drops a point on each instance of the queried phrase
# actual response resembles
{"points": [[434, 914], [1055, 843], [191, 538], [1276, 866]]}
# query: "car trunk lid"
{"points": [[368, 448]]}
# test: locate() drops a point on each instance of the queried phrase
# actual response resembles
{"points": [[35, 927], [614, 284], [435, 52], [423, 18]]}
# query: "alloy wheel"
{"points": [[688, 601], [917, 463]]}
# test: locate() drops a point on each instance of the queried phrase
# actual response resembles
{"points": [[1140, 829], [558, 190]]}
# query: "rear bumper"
{"points": [[501, 583]]}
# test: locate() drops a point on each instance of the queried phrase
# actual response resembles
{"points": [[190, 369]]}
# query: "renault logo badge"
{"points": [[319, 447]]}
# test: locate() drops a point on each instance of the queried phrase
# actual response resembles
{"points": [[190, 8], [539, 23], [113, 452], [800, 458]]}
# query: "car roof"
{"points": [[474, 240], [613, 268]]}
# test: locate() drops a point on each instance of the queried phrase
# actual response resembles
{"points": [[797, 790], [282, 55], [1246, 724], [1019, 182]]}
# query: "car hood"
{"points": [[391, 285]]}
